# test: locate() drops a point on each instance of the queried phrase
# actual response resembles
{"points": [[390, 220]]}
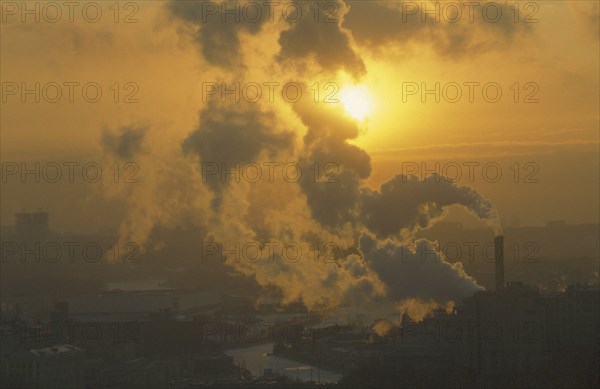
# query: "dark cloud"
{"points": [[376, 25], [417, 271], [230, 136], [403, 203], [332, 203], [341, 166], [321, 38], [215, 30], [124, 144], [408, 203]]}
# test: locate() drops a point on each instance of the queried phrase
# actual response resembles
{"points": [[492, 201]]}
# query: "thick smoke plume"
{"points": [[370, 264]]}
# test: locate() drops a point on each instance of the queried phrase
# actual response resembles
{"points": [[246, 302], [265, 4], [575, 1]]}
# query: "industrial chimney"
{"points": [[499, 261]]}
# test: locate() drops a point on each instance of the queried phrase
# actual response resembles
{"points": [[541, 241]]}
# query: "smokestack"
{"points": [[499, 261]]}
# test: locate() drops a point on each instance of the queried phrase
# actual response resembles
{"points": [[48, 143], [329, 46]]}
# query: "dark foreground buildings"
{"points": [[514, 337]]}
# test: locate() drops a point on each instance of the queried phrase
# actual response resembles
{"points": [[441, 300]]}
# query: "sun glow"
{"points": [[356, 100]]}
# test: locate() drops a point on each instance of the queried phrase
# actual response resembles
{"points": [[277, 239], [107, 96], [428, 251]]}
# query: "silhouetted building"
{"points": [[58, 366]]}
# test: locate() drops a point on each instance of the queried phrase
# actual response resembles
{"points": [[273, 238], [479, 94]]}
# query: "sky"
{"points": [[161, 49], [501, 98]]}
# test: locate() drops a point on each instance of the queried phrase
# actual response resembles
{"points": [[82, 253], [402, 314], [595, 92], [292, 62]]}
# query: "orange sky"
{"points": [[558, 135]]}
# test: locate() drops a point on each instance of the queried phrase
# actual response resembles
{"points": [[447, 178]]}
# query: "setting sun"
{"points": [[356, 101]]}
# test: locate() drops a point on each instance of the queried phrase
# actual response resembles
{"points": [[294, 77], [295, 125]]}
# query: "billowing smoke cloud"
{"points": [[329, 204], [406, 204], [379, 24], [376, 267], [333, 198], [318, 35], [403, 267], [160, 189], [231, 136], [216, 32], [382, 327], [403, 205], [309, 34]]}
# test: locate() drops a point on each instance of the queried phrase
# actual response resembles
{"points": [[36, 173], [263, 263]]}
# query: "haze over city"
{"points": [[300, 193]]}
